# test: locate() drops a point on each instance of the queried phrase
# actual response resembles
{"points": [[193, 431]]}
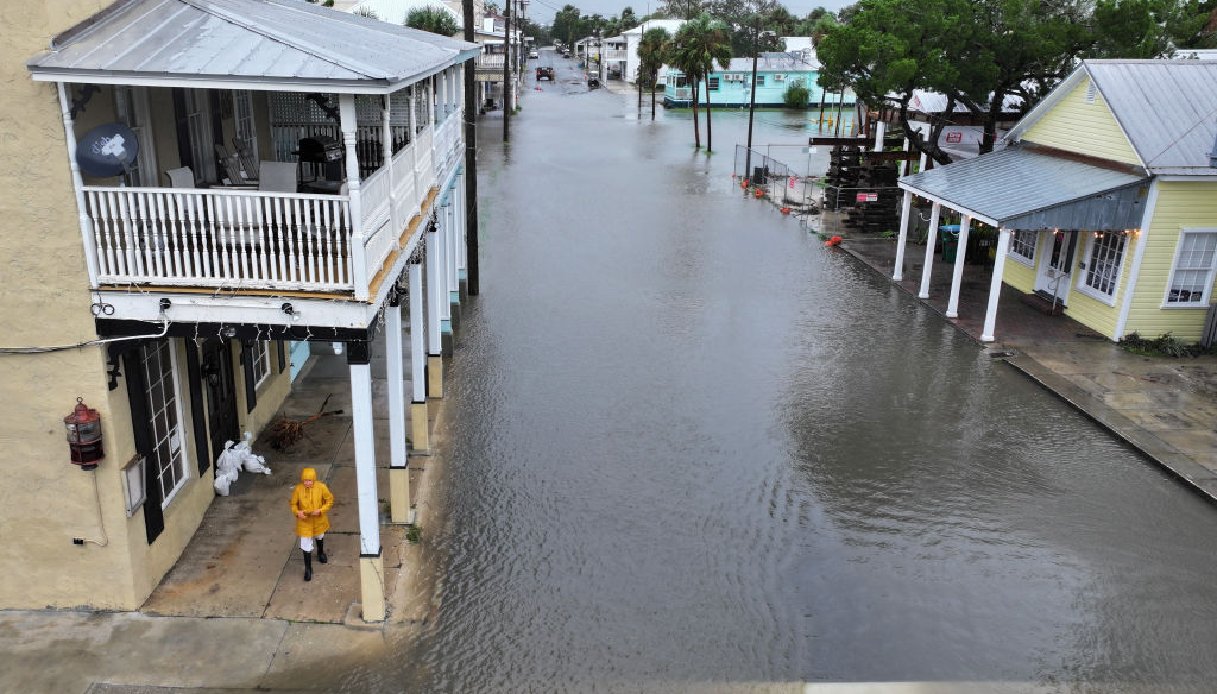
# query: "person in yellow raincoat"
{"points": [[311, 499]]}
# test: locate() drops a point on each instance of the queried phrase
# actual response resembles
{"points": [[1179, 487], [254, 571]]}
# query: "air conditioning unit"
{"points": [[779, 77]]}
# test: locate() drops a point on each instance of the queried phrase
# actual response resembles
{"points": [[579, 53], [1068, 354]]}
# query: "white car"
{"points": [[532, 53]]}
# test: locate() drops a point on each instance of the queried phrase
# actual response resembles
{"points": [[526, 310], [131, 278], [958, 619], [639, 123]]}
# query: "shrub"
{"points": [[1165, 345], [797, 95]]}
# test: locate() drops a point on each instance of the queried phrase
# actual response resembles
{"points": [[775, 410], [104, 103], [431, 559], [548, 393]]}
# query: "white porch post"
{"points": [[443, 92], [420, 431], [922, 162], [399, 494], [999, 267], [359, 259], [435, 359], [388, 164], [433, 118], [454, 282], [414, 140], [904, 163], [957, 274], [462, 250], [930, 239], [371, 563], [902, 238], [86, 222], [880, 127], [442, 289]]}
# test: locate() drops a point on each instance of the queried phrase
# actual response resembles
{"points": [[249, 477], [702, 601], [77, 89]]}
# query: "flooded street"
{"points": [[689, 448]]}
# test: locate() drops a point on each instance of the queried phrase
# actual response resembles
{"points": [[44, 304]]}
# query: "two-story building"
{"points": [[191, 186], [1105, 201]]}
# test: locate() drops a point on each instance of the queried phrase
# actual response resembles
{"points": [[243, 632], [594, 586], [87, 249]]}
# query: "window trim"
{"points": [[184, 458], [260, 354], [1170, 278], [1087, 255], [713, 83], [1028, 260]]}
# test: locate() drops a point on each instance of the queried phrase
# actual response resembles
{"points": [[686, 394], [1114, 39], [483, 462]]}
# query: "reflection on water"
{"points": [[691, 447]]}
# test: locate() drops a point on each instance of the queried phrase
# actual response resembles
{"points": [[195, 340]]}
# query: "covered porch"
{"points": [[1027, 193]]}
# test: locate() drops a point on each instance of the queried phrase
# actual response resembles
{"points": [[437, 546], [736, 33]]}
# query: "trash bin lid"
{"points": [[949, 227]]}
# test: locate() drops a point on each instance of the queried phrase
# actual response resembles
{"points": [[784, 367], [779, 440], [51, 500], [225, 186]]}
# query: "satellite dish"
{"points": [[107, 150]]}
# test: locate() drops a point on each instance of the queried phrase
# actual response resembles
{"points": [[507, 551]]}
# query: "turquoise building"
{"points": [[775, 73]]}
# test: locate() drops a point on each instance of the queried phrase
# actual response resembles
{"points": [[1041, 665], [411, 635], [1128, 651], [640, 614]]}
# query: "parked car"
{"points": [[545, 73], [532, 53]]}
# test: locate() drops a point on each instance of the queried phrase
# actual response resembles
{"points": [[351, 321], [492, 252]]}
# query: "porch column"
{"points": [[420, 431], [454, 281], [443, 92], [880, 126], [435, 359], [387, 136], [443, 297], [433, 118], [371, 561], [922, 162], [957, 275], [359, 259], [418, 194], [999, 267], [461, 230], [904, 163], [902, 238], [930, 239], [399, 476], [86, 223]]}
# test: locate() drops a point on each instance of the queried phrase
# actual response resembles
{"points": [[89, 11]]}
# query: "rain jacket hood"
{"points": [[309, 499]]}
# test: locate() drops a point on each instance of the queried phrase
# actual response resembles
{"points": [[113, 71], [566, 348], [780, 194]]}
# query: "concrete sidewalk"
{"points": [[234, 613], [1166, 408]]}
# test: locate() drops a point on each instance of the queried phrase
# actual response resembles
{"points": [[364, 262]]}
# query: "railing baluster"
{"points": [[214, 233], [297, 246]]}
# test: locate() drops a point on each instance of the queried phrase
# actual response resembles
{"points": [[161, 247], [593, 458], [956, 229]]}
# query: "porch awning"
{"points": [[282, 45], [1025, 188]]}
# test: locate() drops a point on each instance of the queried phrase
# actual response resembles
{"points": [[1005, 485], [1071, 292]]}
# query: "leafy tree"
{"points": [[684, 9], [434, 19], [697, 46], [652, 53], [566, 25], [628, 19], [796, 95]]}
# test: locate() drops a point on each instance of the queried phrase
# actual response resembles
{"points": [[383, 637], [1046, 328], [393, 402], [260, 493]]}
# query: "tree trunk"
{"points": [[639, 99], [709, 134], [991, 118], [696, 129], [652, 99]]}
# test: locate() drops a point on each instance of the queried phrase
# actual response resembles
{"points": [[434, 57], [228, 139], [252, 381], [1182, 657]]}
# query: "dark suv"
{"points": [[545, 73]]}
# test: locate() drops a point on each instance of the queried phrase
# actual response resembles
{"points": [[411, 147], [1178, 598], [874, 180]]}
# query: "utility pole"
{"points": [[471, 171], [756, 35], [507, 70]]}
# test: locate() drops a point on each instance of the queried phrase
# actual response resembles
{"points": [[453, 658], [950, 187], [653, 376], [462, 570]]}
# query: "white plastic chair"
{"points": [[277, 176], [181, 178]]}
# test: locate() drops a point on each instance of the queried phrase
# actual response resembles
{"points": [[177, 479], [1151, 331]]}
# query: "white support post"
{"points": [[454, 281], [902, 238], [397, 223], [442, 230], [414, 139], [433, 118], [443, 92], [880, 128], [359, 259], [86, 223], [957, 274], [461, 228], [904, 163], [922, 162], [420, 431], [930, 239], [371, 565], [435, 288], [395, 375], [999, 268]]}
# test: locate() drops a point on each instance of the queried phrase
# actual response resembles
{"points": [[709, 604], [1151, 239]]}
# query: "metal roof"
{"points": [[1027, 188], [266, 44], [1166, 108]]}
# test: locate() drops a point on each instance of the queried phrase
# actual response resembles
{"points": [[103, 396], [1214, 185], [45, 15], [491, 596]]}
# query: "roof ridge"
{"points": [[210, 7]]}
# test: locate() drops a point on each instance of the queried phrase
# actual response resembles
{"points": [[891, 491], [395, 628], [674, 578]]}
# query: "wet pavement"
{"points": [[687, 448]]}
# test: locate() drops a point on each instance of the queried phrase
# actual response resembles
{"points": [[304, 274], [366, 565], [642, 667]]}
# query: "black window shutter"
{"points": [[282, 355], [194, 375], [141, 423], [247, 361]]}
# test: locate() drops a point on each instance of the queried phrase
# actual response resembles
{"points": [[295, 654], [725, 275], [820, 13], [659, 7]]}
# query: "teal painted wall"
{"points": [[769, 92]]}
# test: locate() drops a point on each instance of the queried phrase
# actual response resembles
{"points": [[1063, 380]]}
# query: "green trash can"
{"points": [[949, 233]]}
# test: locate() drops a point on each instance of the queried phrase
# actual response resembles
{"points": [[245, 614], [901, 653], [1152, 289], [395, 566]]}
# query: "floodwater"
{"points": [[691, 449]]}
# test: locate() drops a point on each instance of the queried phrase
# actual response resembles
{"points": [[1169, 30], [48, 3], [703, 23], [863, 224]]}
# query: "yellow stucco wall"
{"points": [[1086, 128], [1180, 204]]}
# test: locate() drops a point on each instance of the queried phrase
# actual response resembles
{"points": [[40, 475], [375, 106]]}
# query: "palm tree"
{"points": [[698, 45], [652, 51]]}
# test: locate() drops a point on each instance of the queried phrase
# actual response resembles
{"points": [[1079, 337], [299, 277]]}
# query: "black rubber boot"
{"points": [[308, 566], [321, 552]]}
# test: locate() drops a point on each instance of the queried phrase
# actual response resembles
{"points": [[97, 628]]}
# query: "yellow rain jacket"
{"points": [[307, 499]]}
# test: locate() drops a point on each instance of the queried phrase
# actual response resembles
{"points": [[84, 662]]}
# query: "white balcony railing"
{"points": [[229, 238], [221, 238]]}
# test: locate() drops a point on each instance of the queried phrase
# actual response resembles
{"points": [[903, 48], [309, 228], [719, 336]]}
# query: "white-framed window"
{"points": [[168, 456], [1191, 278], [245, 130], [760, 80], [712, 84], [1101, 274], [131, 107], [198, 124], [260, 354], [1022, 244]]}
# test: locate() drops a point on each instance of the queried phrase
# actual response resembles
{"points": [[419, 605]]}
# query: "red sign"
{"points": [[867, 197], [954, 138]]}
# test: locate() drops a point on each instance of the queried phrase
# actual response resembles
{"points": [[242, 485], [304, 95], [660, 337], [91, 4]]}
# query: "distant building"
{"points": [[775, 73]]}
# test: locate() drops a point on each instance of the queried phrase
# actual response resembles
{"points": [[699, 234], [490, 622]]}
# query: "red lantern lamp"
{"points": [[84, 435]]}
